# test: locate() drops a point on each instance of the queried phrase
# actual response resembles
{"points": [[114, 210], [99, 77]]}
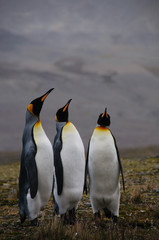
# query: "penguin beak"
{"points": [[43, 97], [66, 106], [105, 113]]}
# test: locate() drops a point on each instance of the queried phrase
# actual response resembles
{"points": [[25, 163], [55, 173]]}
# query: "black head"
{"points": [[62, 113], [104, 119], [36, 105]]}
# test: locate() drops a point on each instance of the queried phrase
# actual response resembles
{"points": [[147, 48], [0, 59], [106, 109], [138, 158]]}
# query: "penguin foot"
{"points": [[22, 218], [72, 216], [107, 213], [64, 219], [54, 214], [34, 222], [115, 220], [97, 215]]}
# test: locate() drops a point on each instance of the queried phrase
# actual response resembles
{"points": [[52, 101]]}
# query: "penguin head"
{"points": [[104, 119], [62, 113], [35, 106]]}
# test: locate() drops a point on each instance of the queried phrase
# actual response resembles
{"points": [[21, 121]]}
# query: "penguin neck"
{"points": [[31, 119], [100, 126], [60, 125], [39, 121]]}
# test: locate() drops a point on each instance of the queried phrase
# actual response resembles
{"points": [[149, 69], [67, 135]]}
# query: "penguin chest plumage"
{"points": [[103, 166], [72, 155], [73, 163], [44, 162]]}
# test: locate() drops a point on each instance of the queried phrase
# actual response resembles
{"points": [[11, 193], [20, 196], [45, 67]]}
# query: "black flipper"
{"points": [[31, 169], [86, 171], [120, 165], [58, 162]]}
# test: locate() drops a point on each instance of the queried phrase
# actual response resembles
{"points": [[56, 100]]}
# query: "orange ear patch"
{"points": [[30, 108], [56, 119]]}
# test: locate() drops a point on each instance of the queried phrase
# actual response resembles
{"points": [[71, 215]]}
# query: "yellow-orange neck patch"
{"points": [[38, 122], [100, 128], [67, 123]]}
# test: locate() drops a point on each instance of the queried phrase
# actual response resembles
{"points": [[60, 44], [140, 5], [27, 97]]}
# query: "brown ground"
{"points": [[139, 214]]}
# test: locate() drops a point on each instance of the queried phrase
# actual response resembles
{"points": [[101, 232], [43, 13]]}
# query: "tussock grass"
{"points": [[136, 196], [87, 230], [139, 214]]}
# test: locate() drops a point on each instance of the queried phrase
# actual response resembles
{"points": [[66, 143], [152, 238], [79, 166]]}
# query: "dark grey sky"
{"points": [[42, 31], [100, 53]]}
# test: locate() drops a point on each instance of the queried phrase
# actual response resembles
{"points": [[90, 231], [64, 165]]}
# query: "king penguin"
{"points": [[104, 167], [69, 161], [36, 170]]}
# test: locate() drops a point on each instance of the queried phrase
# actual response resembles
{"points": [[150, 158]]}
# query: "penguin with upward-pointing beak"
{"points": [[36, 170], [69, 161], [104, 167]]}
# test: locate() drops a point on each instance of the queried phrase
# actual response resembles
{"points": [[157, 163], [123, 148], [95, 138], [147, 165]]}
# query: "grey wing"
{"points": [[57, 147], [31, 169]]}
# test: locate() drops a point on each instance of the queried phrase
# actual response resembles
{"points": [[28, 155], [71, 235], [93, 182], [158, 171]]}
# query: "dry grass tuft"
{"points": [[136, 196], [88, 230]]}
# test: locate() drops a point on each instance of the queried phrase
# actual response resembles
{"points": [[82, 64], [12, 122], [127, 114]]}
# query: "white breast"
{"points": [[103, 162], [73, 157], [73, 161], [44, 161]]}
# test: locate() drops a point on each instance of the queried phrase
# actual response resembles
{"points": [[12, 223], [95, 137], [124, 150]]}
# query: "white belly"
{"points": [[103, 169], [45, 167], [73, 161]]}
